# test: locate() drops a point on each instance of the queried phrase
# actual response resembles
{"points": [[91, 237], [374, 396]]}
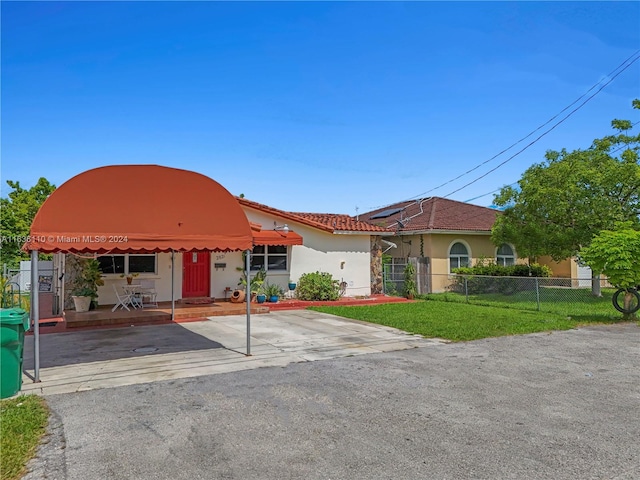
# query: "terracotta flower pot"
{"points": [[237, 296]]}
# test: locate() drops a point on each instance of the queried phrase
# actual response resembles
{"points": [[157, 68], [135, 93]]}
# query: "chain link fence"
{"points": [[566, 296]]}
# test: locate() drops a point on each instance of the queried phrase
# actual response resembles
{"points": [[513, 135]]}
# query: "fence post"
{"points": [[466, 289], [538, 293]]}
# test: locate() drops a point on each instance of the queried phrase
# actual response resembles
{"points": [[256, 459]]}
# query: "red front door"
{"points": [[196, 273]]}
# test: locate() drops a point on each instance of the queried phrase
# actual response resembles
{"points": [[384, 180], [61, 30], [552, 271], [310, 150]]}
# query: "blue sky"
{"points": [[305, 106]]}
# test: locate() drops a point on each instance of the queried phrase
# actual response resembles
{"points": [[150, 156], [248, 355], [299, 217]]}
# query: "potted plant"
{"points": [[85, 288], [292, 285], [261, 297], [129, 277], [273, 292], [255, 282]]}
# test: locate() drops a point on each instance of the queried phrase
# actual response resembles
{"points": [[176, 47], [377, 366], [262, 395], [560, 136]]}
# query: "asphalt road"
{"points": [[556, 406]]}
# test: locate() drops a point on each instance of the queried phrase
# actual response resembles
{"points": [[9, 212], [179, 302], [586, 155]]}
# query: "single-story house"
{"points": [[154, 220], [444, 234]]}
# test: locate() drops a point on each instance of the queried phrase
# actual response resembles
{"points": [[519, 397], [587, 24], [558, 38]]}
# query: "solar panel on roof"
{"points": [[386, 213]]}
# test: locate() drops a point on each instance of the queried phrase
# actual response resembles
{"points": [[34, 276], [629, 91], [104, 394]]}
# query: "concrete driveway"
{"points": [[93, 359], [562, 405]]}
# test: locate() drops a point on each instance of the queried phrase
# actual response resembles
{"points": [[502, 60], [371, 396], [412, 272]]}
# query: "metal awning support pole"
{"points": [[173, 297], [247, 298], [35, 315]]}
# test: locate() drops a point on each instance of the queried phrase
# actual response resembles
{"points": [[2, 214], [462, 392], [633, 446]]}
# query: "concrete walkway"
{"points": [[94, 359]]}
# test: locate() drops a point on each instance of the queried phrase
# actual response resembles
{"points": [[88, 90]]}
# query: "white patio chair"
{"points": [[148, 293], [124, 300]]}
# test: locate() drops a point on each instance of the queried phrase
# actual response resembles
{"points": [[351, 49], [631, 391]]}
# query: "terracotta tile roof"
{"points": [[341, 222], [328, 222], [433, 213]]}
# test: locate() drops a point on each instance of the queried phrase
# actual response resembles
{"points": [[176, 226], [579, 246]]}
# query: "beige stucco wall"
{"points": [[564, 269], [437, 246]]}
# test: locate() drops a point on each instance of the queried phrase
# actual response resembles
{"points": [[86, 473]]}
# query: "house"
{"points": [[444, 234], [186, 233]]}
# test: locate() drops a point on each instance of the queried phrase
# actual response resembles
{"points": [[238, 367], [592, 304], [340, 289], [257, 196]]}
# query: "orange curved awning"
{"points": [[129, 208], [276, 237]]}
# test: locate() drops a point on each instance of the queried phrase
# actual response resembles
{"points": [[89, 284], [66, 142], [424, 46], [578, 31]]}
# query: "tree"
{"points": [[16, 214], [560, 205], [615, 253]]}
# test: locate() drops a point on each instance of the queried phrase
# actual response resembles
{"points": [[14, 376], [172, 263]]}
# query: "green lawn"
{"points": [[461, 322], [23, 421], [573, 302]]}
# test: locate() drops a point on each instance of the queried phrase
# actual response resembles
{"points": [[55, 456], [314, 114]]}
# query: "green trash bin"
{"points": [[13, 323]]}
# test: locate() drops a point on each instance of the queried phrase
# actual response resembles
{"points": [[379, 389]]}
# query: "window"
{"points": [[269, 257], [458, 256], [505, 255], [142, 263], [111, 263], [128, 263]]}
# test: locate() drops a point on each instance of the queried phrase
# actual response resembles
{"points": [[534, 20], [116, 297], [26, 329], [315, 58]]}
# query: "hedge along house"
{"points": [[439, 234], [144, 214]]}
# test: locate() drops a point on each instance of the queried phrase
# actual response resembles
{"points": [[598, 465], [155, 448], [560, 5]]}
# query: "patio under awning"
{"points": [[137, 208]]}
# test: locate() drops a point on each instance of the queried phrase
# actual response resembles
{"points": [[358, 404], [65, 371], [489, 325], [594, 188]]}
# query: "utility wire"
{"points": [[545, 133], [612, 75], [515, 183], [485, 194]]}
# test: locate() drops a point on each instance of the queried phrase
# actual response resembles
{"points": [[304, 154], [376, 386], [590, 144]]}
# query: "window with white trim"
{"points": [[458, 256], [270, 257], [505, 255], [128, 263]]}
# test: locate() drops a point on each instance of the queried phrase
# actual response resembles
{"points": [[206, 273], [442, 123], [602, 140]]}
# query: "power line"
{"points": [[612, 75], [515, 183], [546, 132], [485, 194]]}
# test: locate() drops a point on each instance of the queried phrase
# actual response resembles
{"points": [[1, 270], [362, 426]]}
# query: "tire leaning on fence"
{"points": [[620, 307]]}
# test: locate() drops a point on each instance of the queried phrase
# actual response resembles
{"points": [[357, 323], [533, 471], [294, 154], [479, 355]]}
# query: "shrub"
{"points": [[481, 278], [410, 287], [318, 286]]}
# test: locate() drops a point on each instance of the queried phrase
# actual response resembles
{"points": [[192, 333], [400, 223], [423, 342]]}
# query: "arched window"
{"points": [[505, 255], [458, 256]]}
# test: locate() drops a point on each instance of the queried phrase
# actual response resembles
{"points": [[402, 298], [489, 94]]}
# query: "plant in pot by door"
{"points": [[85, 287], [273, 292], [261, 297], [255, 283]]}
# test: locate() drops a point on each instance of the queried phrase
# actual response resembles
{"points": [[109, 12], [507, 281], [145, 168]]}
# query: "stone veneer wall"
{"points": [[376, 267], [71, 273]]}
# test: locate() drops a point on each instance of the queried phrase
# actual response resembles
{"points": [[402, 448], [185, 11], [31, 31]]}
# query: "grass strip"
{"points": [[461, 322], [23, 422]]}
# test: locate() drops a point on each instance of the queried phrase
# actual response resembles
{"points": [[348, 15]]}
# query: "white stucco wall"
{"points": [[345, 257], [162, 279], [324, 252]]}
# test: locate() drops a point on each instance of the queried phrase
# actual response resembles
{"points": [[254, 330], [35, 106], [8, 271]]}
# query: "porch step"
{"points": [[103, 316]]}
